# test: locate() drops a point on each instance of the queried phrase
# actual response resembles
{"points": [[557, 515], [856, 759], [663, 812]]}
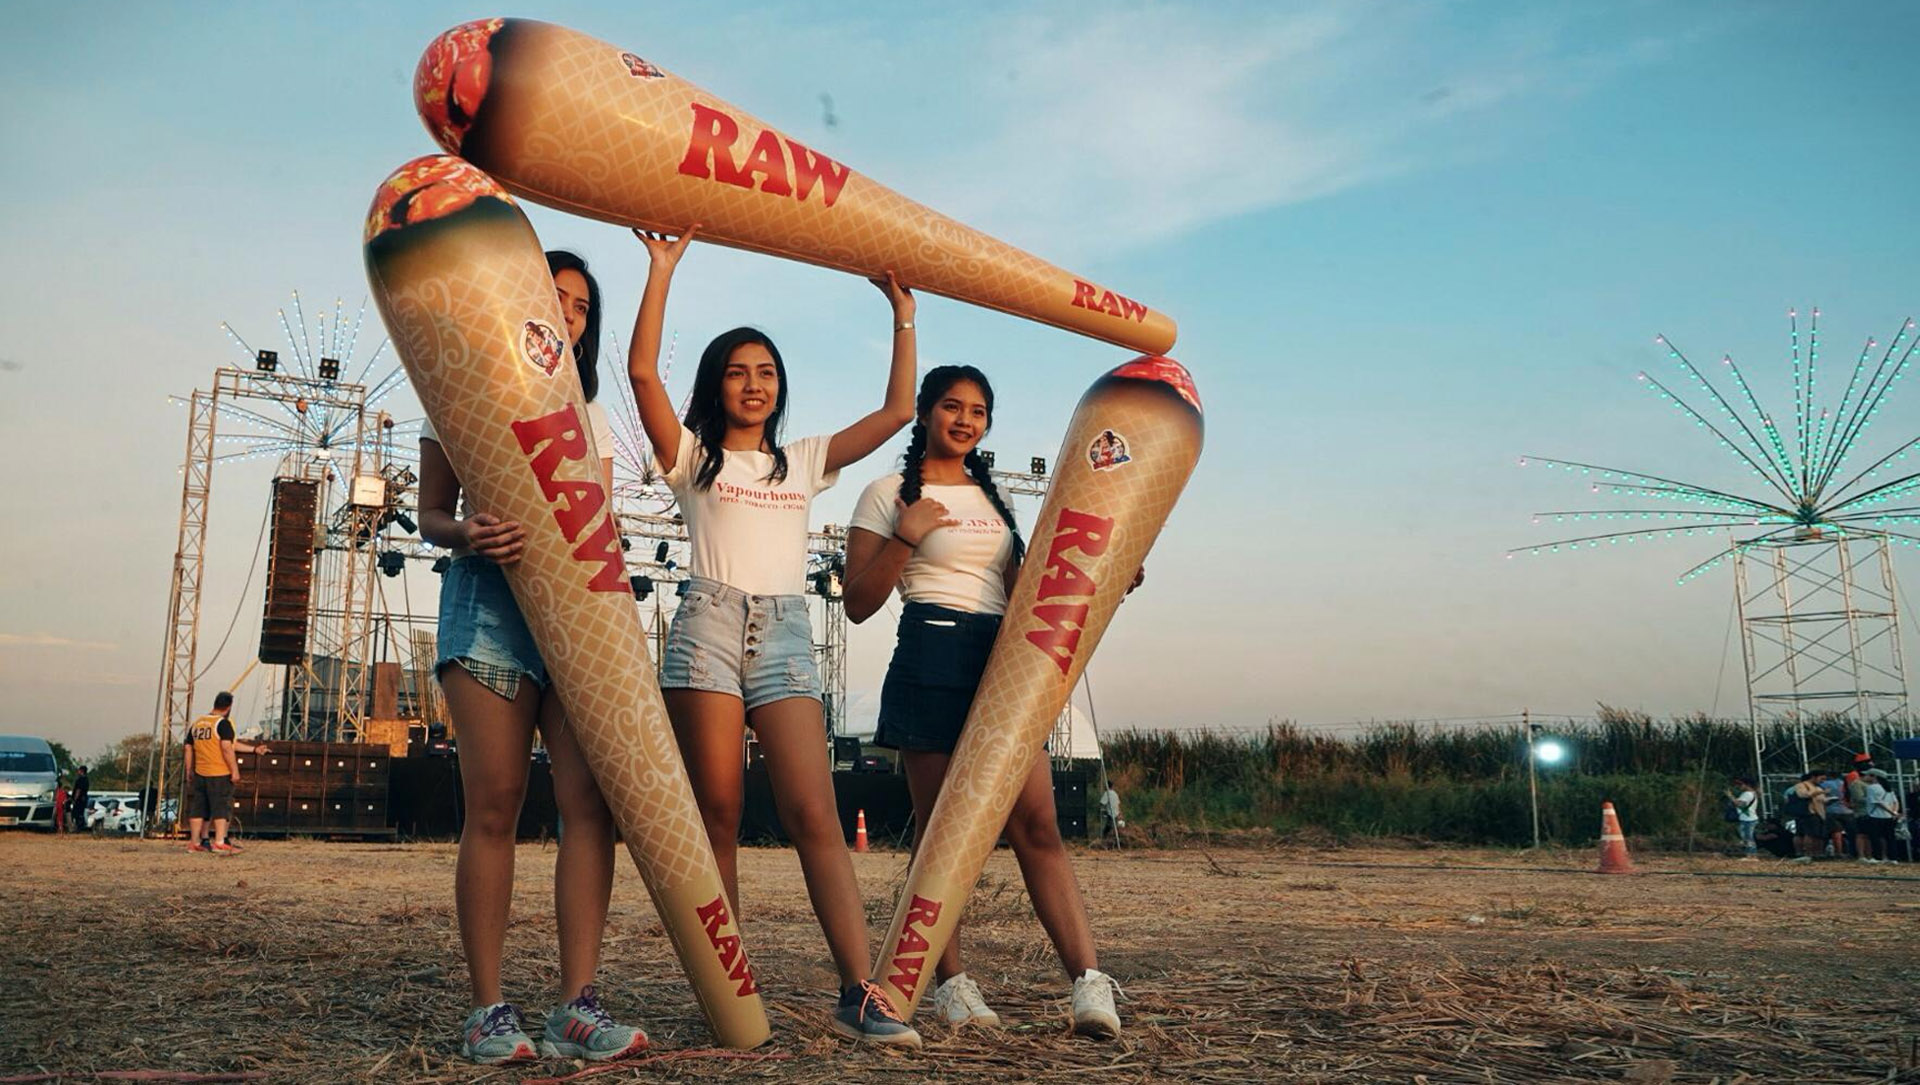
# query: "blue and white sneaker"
{"points": [[864, 1012], [495, 1034], [582, 1030]]}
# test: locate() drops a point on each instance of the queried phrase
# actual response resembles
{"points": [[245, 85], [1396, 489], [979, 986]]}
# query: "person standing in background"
{"points": [[77, 801], [1746, 808], [1110, 814]]}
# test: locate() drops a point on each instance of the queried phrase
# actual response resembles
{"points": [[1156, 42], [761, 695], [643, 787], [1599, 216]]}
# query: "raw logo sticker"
{"points": [[1109, 450], [543, 346], [639, 68]]}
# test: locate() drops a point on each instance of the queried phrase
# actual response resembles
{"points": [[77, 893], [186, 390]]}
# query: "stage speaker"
{"points": [[283, 627], [845, 750]]}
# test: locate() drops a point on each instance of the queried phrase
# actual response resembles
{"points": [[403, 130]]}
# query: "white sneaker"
{"points": [[1093, 1012], [958, 1002]]}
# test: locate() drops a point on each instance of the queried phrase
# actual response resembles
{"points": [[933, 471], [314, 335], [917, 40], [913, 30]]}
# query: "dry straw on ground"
{"points": [[311, 962]]}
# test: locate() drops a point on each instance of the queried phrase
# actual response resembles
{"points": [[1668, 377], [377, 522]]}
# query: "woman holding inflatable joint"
{"points": [[740, 650]]}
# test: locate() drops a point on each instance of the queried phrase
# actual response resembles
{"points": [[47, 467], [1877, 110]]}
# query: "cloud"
{"points": [[48, 640], [1144, 123]]}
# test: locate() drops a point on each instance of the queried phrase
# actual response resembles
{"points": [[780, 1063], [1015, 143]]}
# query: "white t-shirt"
{"points": [[1881, 802], [597, 420], [1748, 805], [747, 532], [962, 567]]}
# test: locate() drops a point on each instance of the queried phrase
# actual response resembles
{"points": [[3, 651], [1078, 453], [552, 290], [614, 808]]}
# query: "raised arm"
{"points": [[643, 352], [855, 442]]}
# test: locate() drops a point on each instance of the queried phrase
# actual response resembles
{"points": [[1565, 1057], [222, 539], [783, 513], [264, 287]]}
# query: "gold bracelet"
{"points": [[903, 326]]}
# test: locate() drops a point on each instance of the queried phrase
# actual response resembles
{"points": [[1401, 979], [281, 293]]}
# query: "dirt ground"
{"points": [[336, 962]]}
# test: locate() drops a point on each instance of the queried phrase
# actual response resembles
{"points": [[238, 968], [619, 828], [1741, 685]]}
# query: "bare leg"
{"points": [[711, 730], [219, 830], [583, 875], [1034, 832], [196, 830], [793, 734], [495, 738], [926, 771]]}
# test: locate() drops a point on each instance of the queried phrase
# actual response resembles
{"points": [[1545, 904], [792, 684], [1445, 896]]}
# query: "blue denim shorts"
{"points": [[930, 684], [480, 623], [759, 648]]}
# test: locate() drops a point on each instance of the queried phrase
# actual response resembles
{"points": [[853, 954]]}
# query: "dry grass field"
{"points": [[318, 962]]}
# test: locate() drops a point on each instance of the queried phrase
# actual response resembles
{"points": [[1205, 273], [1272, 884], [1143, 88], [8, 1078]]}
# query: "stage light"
{"points": [[660, 553], [642, 586], [406, 522], [441, 564], [681, 589], [392, 562], [986, 457], [266, 361], [1039, 465], [1550, 751], [329, 369]]}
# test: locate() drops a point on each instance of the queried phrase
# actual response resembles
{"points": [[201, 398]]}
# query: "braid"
{"points": [[977, 467], [910, 470]]}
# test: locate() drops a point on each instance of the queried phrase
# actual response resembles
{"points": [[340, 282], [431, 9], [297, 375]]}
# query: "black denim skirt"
{"points": [[930, 684]]}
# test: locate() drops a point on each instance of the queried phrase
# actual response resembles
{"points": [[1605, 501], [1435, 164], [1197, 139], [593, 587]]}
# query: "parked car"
{"points": [[115, 812], [28, 774]]}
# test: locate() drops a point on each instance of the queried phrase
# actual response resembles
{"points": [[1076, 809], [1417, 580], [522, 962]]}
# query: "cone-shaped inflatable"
{"points": [[1613, 843], [567, 120], [1131, 446], [464, 289], [860, 831]]}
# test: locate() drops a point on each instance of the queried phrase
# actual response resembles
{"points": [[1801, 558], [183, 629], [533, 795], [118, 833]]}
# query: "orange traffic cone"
{"points": [[1613, 843], [860, 831]]}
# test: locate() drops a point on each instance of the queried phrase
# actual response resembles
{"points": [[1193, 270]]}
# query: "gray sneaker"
{"points": [[582, 1030], [866, 1013], [495, 1034]]}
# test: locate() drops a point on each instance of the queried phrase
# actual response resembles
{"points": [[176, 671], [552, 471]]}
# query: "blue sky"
{"points": [[1406, 243]]}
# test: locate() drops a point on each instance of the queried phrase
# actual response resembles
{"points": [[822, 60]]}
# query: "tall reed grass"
{"points": [[1457, 784]]}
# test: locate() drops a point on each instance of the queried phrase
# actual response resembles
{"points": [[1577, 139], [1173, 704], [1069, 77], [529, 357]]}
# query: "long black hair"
{"points": [[586, 352], [933, 387], [707, 412]]}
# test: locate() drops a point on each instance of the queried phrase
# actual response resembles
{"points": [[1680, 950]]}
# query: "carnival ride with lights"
{"points": [[344, 466], [1815, 595]]}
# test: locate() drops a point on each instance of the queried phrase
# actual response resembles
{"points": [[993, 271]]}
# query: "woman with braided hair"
{"points": [[940, 531]]}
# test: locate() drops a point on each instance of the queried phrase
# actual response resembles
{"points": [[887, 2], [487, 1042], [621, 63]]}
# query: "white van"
{"points": [[27, 778]]}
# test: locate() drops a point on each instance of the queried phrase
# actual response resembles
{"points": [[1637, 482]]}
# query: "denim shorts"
{"points": [[936, 668], [480, 623], [758, 648]]}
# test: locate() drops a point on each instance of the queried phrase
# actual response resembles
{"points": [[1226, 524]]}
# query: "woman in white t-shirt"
{"points": [[740, 651], [940, 531], [497, 693]]}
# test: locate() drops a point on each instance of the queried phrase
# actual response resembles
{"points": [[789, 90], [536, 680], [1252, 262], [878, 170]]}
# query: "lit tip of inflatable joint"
{"points": [[1166, 371], [452, 78], [429, 187]]}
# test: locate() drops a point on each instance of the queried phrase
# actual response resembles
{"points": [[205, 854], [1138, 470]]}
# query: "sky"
{"points": [[1407, 243]]}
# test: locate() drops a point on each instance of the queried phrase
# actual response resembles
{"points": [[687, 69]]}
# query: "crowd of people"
{"points": [[1857, 814]]}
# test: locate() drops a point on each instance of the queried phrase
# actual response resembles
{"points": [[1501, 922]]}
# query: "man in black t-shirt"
{"points": [[77, 803]]}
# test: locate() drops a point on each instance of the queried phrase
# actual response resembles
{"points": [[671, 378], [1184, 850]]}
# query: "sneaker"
{"points": [[494, 1034], [1093, 1012], [224, 849], [582, 1030], [958, 1002], [198, 847], [864, 1012]]}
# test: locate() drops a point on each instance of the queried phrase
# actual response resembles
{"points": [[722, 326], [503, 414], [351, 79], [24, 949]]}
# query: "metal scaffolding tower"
{"points": [[1820, 630], [286, 401]]}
